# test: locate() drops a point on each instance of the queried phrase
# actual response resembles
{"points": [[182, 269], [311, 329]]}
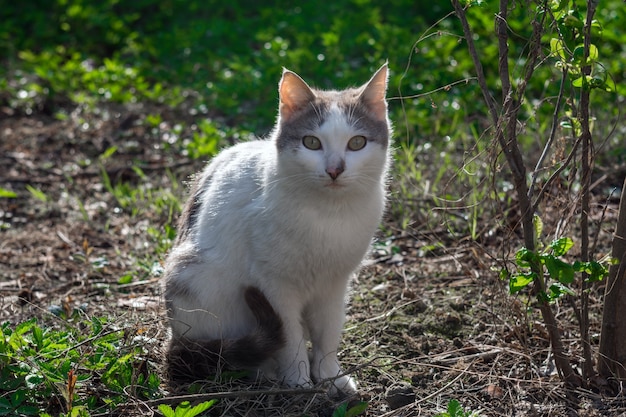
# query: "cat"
{"points": [[272, 233]]}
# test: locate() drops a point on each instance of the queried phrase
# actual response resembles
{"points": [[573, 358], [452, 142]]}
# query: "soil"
{"points": [[429, 320]]}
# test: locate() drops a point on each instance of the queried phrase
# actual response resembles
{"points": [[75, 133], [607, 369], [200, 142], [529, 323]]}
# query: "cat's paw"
{"points": [[302, 383], [343, 386]]}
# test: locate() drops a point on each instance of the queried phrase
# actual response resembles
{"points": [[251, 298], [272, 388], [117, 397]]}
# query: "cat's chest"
{"points": [[313, 237]]}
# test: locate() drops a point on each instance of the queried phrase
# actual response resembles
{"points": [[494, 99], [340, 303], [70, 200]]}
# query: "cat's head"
{"points": [[333, 139]]}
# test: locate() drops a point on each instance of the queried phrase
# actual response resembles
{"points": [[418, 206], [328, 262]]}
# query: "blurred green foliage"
{"points": [[230, 54]]}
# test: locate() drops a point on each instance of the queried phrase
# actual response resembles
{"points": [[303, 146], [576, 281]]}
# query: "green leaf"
{"points": [[18, 397], [504, 274], [538, 226], [578, 82], [579, 54], [520, 281], [357, 409], [559, 270], [561, 246], [4, 193], [573, 21], [79, 411], [108, 153], [598, 272], [557, 48], [523, 257], [593, 53], [341, 410], [38, 336], [37, 193], [125, 279], [5, 406], [200, 408], [454, 408], [166, 410], [557, 290]]}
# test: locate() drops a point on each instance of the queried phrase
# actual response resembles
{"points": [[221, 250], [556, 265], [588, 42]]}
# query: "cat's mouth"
{"points": [[334, 184]]}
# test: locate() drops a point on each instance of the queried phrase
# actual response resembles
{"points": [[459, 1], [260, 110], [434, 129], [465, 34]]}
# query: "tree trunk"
{"points": [[612, 357]]}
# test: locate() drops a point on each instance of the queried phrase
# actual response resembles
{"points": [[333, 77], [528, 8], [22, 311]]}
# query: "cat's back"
{"points": [[238, 164], [228, 188]]}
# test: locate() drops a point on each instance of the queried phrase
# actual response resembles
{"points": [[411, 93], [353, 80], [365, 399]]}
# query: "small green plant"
{"points": [[569, 48], [4, 193], [141, 198], [185, 409], [560, 273], [52, 369], [456, 410], [345, 410], [37, 193], [205, 140]]}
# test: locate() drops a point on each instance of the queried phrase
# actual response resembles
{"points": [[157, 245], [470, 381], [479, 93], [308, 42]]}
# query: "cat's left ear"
{"points": [[373, 94], [294, 94]]}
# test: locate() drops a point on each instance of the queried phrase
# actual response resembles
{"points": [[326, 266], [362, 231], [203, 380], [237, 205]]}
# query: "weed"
{"points": [[37, 193], [185, 409], [53, 369], [559, 274], [4, 193], [345, 410], [455, 409]]}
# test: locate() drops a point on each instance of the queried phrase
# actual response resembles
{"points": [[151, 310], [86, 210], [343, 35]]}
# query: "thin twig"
{"points": [[235, 394], [480, 74], [556, 174], [548, 146], [425, 35], [445, 87]]}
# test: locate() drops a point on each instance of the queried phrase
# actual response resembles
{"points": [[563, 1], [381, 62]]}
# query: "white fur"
{"points": [[276, 220]]}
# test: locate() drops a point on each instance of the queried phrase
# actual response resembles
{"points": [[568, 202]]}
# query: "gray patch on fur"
{"points": [[309, 119], [189, 215], [175, 288]]}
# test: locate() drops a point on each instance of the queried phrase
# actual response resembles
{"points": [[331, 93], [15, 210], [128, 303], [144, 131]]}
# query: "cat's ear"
{"points": [[294, 94], [373, 94]]}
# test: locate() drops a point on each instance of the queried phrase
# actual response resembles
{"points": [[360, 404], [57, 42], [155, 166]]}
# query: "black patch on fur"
{"points": [[192, 360]]}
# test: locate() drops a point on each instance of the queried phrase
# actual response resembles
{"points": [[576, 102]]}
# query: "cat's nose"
{"points": [[334, 172]]}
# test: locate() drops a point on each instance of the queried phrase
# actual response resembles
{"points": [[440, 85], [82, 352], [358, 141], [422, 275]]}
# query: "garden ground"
{"points": [[429, 321]]}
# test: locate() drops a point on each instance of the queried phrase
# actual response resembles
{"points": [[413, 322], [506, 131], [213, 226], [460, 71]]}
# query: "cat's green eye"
{"points": [[357, 143], [311, 142]]}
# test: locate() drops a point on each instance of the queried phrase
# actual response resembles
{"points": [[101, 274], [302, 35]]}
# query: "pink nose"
{"points": [[334, 172]]}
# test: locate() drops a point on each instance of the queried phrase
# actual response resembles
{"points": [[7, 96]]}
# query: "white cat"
{"points": [[273, 232]]}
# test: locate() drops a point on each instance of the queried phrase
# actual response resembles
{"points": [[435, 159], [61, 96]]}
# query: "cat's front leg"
{"points": [[325, 319], [292, 367]]}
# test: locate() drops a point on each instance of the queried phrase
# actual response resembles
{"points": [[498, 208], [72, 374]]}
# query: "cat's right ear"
{"points": [[294, 94]]}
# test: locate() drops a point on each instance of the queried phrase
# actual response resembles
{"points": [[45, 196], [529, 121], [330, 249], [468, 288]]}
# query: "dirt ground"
{"points": [[429, 319]]}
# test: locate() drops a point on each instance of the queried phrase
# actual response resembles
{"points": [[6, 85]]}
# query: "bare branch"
{"points": [[546, 148]]}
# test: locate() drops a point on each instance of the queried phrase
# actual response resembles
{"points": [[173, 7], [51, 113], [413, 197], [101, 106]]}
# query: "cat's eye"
{"points": [[357, 143], [311, 142]]}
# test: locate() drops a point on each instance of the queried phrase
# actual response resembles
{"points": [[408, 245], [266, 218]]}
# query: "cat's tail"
{"points": [[190, 360]]}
